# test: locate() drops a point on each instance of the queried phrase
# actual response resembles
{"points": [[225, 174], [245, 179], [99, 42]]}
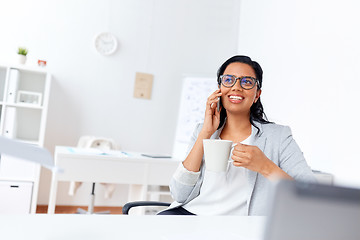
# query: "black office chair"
{"points": [[126, 208]]}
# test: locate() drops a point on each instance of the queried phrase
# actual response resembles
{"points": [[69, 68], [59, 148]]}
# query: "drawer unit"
{"points": [[15, 197]]}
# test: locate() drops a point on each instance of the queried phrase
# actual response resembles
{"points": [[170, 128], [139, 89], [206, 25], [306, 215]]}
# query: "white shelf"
{"points": [[29, 141], [35, 69], [24, 105], [22, 120], [17, 178]]}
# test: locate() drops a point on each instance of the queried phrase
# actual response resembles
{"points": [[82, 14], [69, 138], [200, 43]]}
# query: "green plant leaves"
{"points": [[23, 51]]}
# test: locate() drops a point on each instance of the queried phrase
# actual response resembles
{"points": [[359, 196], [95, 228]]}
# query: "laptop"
{"points": [[309, 211]]}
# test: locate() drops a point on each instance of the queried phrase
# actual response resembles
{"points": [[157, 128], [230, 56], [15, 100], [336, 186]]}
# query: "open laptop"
{"points": [[304, 211]]}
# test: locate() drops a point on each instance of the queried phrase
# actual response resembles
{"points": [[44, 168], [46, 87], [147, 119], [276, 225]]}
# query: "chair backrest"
{"points": [[324, 178], [97, 142], [126, 208]]}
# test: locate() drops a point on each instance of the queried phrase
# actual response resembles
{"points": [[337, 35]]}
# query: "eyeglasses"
{"points": [[245, 82]]}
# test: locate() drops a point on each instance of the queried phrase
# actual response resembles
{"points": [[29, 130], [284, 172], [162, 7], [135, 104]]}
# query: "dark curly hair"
{"points": [[256, 110]]}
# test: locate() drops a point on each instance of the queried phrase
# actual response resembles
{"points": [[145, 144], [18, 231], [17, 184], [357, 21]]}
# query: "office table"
{"points": [[105, 227], [84, 165]]}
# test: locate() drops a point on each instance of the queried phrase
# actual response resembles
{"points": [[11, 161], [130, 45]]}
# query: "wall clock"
{"points": [[105, 43]]}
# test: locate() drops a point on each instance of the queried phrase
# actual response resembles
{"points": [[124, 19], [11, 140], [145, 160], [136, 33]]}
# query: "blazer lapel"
{"points": [[260, 142]]}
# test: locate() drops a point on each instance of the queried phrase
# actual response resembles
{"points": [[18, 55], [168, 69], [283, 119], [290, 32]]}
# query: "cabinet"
{"points": [[18, 197], [24, 95]]}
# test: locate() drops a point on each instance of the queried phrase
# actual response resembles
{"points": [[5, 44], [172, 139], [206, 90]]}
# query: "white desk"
{"points": [[105, 227], [115, 167]]}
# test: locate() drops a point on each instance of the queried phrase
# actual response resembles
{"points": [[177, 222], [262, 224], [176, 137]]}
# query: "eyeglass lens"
{"points": [[245, 82]]}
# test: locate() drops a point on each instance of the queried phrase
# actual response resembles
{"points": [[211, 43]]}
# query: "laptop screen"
{"points": [[313, 211]]}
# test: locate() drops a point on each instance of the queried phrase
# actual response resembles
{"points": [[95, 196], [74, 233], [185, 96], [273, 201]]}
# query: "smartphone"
{"points": [[218, 104]]}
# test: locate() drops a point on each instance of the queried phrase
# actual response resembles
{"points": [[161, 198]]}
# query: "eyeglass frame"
{"points": [[237, 78]]}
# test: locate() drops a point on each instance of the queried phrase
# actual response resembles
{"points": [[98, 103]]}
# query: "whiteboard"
{"points": [[195, 91]]}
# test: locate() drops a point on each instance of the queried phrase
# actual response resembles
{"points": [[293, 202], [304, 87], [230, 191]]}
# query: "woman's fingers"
{"points": [[250, 157], [213, 99], [240, 156], [212, 116], [213, 103], [214, 95]]}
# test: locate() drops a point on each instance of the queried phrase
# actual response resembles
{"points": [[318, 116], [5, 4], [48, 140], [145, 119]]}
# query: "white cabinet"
{"points": [[15, 197], [24, 95]]}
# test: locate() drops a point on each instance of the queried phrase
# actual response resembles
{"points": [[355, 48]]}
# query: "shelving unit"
{"points": [[24, 96]]}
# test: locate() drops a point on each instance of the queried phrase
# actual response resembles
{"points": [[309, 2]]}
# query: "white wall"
{"points": [[93, 94], [310, 54]]}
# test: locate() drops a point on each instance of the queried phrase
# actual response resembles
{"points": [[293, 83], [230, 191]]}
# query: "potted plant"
{"points": [[22, 52]]}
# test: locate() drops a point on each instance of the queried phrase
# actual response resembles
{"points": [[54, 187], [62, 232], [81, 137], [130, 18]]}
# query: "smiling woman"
{"points": [[263, 150]]}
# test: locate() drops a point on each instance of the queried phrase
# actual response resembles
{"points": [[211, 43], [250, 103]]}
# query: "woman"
{"points": [[265, 150]]}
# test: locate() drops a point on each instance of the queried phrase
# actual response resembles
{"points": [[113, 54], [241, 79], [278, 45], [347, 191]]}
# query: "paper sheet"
{"points": [[27, 152], [97, 151]]}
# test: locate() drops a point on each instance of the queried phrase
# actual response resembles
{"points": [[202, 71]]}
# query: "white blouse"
{"points": [[222, 193]]}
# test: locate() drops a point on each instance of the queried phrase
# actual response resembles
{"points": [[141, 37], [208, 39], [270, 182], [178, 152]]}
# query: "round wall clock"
{"points": [[105, 43]]}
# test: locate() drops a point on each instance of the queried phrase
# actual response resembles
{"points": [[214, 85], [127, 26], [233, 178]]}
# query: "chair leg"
{"points": [[90, 209], [92, 200]]}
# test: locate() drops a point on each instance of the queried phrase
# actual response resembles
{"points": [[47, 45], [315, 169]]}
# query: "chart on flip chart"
{"points": [[195, 91]]}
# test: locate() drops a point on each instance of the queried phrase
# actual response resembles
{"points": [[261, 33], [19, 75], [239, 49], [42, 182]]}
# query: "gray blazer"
{"points": [[277, 144]]}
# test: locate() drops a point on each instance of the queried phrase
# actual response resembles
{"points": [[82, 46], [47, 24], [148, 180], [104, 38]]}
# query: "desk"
{"points": [[115, 167], [106, 227]]}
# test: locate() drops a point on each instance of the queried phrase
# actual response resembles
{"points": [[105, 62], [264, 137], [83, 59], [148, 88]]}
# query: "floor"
{"points": [[73, 209]]}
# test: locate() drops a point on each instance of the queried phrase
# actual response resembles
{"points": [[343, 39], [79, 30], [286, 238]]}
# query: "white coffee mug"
{"points": [[216, 154]]}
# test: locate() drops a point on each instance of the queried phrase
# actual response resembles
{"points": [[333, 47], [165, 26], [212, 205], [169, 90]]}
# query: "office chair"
{"points": [[126, 208]]}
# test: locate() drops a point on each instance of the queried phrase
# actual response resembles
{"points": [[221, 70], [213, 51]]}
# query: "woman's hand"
{"points": [[252, 158], [212, 116]]}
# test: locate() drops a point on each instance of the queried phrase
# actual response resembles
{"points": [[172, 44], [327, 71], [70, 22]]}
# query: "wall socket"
{"points": [[143, 85]]}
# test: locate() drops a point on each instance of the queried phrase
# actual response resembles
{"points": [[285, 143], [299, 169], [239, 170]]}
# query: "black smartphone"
{"points": [[218, 104]]}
